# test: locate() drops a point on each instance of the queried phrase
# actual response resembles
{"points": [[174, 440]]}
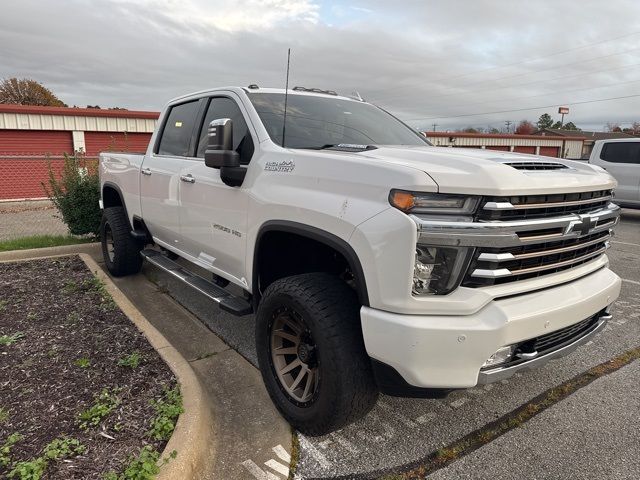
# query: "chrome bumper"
{"points": [[501, 373]]}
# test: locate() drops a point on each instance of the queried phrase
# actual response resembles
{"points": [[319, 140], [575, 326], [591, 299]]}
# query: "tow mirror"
{"points": [[220, 153]]}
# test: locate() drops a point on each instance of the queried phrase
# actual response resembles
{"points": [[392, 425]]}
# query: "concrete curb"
{"points": [[35, 253], [193, 437]]}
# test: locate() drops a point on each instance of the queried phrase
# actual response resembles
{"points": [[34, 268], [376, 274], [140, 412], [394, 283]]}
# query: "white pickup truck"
{"points": [[621, 158], [372, 260]]}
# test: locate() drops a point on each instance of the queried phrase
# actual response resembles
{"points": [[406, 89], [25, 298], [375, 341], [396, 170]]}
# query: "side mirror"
{"points": [[220, 153]]}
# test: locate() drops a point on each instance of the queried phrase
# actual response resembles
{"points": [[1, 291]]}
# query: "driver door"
{"points": [[213, 215]]}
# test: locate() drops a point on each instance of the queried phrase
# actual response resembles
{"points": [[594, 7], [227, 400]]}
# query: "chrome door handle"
{"points": [[187, 178], [145, 171]]}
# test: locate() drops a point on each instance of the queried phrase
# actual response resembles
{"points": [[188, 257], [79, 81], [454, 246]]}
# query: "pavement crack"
{"points": [[457, 449]]}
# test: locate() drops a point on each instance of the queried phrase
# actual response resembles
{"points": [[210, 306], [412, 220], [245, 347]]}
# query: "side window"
{"points": [[178, 129], [621, 152], [223, 107]]}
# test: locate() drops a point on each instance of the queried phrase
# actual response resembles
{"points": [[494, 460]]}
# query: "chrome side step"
{"points": [[227, 301]]}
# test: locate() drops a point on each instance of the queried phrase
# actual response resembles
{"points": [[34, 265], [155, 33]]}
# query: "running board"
{"points": [[228, 302]]}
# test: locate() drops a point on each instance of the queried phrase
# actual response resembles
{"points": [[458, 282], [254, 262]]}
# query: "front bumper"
{"points": [[448, 351]]}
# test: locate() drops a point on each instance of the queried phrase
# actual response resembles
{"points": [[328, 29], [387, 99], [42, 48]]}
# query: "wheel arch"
{"points": [[314, 234]]}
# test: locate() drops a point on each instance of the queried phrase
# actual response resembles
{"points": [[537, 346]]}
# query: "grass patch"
{"points": [[5, 449], [295, 454], [6, 340], [168, 409], [42, 241]]}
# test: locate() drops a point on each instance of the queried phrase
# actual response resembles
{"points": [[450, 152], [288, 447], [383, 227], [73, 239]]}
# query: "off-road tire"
{"points": [[346, 389], [125, 258]]}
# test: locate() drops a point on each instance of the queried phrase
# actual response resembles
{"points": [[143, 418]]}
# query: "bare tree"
{"points": [[24, 91]]}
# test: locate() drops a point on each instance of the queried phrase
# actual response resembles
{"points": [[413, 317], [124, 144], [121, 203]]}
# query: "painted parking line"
{"points": [[273, 464], [626, 243], [630, 281]]}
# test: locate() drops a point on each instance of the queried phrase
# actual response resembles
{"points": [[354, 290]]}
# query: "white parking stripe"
{"points": [[631, 281], [278, 467], [344, 443], [404, 420], [626, 243], [426, 418], [314, 452], [282, 454], [257, 472]]}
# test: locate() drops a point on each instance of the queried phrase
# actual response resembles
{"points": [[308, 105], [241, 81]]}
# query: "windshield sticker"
{"points": [[284, 166]]}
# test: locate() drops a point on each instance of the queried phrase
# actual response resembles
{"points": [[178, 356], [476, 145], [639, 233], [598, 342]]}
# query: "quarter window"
{"points": [[621, 152], [178, 128]]}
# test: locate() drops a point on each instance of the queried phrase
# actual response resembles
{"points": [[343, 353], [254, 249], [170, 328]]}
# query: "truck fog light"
{"points": [[501, 356], [439, 270]]}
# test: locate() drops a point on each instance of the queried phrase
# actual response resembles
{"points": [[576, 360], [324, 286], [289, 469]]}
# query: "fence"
{"points": [[24, 207], [22, 176]]}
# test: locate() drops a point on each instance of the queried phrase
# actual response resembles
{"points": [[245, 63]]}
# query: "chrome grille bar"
{"points": [[503, 257], [505, 272], [522, 206]]}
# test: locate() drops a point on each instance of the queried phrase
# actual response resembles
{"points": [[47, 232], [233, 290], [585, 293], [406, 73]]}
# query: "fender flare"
{"points": [[320, 236]]}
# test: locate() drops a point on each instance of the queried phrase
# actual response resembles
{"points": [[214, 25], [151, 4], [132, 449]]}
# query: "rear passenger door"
{"points": [[622, 161], [213, 216], [160, 174]]}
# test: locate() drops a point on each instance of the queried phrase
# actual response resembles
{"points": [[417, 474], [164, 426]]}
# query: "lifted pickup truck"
{"points": [[372, 260]]}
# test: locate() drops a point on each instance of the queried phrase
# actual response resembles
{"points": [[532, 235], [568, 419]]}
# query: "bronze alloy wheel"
{"points": [[294, 357], [108, 238]]}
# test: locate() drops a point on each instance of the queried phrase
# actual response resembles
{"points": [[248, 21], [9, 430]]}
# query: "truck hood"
{"points": [[487, 172]]}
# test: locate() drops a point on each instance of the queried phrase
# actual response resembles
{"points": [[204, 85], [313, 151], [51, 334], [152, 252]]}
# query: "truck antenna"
{"points": [[286, 95]]}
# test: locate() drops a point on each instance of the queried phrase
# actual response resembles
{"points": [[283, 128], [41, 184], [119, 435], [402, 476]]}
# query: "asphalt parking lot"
{"points": [[400, 434]]}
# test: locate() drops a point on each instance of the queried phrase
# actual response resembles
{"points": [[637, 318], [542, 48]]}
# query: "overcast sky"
{"points": [[429, 61]]}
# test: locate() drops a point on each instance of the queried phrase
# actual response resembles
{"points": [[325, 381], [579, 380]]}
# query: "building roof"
{"points": [[76, 112], [582, 133], [500, 135]]}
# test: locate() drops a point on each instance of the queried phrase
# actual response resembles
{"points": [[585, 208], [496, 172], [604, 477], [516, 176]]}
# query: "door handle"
{"points": [[145, 171], [187, 178]]}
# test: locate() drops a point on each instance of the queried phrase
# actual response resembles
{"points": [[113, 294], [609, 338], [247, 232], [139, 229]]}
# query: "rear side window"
{"points": [[178, 128], [621, 152], [223, 107]]}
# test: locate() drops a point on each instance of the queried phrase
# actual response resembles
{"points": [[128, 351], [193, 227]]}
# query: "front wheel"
{"points": [[311, 353], [120, 251]]}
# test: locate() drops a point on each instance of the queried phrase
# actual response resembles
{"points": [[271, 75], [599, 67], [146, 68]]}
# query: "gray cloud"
{"points": [[419, 59]]}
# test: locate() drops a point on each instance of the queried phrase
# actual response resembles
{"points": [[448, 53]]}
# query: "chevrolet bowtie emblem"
{"points": [[582, 226]]}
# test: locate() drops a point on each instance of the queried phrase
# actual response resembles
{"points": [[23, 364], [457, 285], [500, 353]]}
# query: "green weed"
{"points": [[103, 405], [58, 449], [5, 449], [167, 409], [6, 340], [83, 362], [132, 360], [143, 467], [4, 415]]}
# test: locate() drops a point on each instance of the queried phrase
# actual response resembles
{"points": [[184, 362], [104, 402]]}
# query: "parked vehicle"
{"points": [[372, 260], [621, 158]]}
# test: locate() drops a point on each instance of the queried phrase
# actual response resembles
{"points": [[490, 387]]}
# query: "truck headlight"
{"points": [[439, 270], [438, 203]]}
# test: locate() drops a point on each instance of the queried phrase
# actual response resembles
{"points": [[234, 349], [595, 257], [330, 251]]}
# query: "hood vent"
{"points": [[532, 166]]}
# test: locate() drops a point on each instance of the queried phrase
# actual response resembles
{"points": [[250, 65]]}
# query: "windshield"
{"points": [[317, 122]]}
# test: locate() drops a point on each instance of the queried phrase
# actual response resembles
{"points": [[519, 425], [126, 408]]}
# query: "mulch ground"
{"points": [[70, 339]]}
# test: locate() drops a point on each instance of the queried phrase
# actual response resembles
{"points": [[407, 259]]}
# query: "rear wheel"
{"points": [[120, 251], [311, 353]]}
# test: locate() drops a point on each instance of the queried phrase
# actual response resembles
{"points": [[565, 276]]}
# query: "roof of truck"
{"points": [[291, 91]]}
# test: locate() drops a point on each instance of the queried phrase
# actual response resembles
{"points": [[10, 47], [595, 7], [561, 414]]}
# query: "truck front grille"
{"points": [[542, 206], [494, 266]]}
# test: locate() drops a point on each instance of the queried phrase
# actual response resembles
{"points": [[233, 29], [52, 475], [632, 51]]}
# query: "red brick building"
{"points": [[32, 137]]}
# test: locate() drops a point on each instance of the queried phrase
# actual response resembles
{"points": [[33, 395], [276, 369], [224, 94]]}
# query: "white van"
{"points": [[621, 158]]}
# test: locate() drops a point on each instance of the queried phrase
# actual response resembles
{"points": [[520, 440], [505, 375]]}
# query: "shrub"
{"points": [[76, 195]]}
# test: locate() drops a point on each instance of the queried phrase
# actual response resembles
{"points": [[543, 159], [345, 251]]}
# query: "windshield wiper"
{"points": [[344, 147]]}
